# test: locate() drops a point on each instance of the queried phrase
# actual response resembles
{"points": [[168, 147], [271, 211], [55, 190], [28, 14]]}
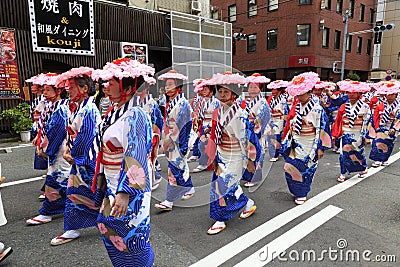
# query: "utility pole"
{"points": [[346, 25]]}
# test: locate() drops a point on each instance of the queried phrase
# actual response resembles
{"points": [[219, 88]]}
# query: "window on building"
{"points": [[252, 7], [359, 45], [303, 34], [349, 43], [215, 15], [336, 44], [339, 6], [272, 5], [326, 4], [234, 46], [305, 2], [325, 37], [362, 11], [369, 46], [351, 8], [251, 43], [371, 16], [272, 39], [232, 13]]}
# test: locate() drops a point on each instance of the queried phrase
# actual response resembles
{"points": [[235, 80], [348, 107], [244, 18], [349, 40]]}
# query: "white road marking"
{"points": [[270, 251], [19, 146], [243, 242], [23, 181]]}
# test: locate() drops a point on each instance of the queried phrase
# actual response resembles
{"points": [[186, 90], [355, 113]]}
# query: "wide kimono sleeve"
{"points": [[378, 115], [157, 119], [325, 140], [252, 146], [337, 127], [262, 119], [136, 138], [368, 130], [290, 116], [86, 125], [56, 133], [183, 127], [211, 148]]}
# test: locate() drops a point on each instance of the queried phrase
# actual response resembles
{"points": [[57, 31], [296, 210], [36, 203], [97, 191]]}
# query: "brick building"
{"points": [[285, 38]]}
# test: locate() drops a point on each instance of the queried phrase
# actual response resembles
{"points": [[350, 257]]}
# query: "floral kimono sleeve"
{"points": [[325, 141], [136, 140]]}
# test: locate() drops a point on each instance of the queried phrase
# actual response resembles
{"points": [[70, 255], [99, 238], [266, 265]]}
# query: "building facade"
{"points": [[114, 23], [390, 47], [194, 7], [281, 39]]}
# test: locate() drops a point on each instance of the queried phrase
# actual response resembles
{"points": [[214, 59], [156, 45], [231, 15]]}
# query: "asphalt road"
{"points": [[361, 216]]}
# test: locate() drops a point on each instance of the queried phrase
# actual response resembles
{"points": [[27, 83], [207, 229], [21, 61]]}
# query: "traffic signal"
{"points": [[378, 29], [382, 28], [335, 66]]}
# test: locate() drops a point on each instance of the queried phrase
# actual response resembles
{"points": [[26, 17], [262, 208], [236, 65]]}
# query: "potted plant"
{"points": [[21, 122]]}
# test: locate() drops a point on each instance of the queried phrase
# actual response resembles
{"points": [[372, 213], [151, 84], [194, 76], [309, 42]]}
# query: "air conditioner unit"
{"points": [[252, 2], [196, 6]]}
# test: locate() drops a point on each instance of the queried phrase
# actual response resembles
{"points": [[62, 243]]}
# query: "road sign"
{"points": [[389, 71], [388, 78]]}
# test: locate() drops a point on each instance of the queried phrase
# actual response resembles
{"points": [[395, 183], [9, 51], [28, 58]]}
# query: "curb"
{"points": [[9, 140]]}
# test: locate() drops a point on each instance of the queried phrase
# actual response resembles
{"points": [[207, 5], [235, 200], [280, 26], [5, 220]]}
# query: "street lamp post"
{"points": [[346, 24]]}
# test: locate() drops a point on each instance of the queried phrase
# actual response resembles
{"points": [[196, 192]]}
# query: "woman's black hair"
{"points": [[86, 80], [101, 94], [129, 81]]}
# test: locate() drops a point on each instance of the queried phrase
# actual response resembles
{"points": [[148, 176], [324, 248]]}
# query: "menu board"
{"points": [[9, 80]]}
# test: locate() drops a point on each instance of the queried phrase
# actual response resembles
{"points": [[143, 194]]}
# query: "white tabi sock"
{"points": [[71, 234], [249, 204], [218, 224], [43, 217]]}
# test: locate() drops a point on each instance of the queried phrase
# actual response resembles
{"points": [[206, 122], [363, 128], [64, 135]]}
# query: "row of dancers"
{"points": [[101, 171]]}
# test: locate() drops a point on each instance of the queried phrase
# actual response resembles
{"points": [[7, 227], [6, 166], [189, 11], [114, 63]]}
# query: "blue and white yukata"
{"points": [[54, 145], [152, 109], [177, 129], [386, 117], [80, 209], [205, 111], [235, 144], [307, 134], [126, 136], [353, 124], [37, 108], [279, 110], [259, 116]]}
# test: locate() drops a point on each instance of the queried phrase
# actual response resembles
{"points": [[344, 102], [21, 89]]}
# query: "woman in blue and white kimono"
{"points": [[305, 137], [178, 124], [52, 147], [206, 106], [279, 111], [151, 107], [386, 123], [80, 210], [353, 125], [259, 116], [123, 170], [231, 148]]}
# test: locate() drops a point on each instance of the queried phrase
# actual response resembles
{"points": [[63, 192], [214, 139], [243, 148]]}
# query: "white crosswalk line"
{"points": [[243, 242], [269, 252]]}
